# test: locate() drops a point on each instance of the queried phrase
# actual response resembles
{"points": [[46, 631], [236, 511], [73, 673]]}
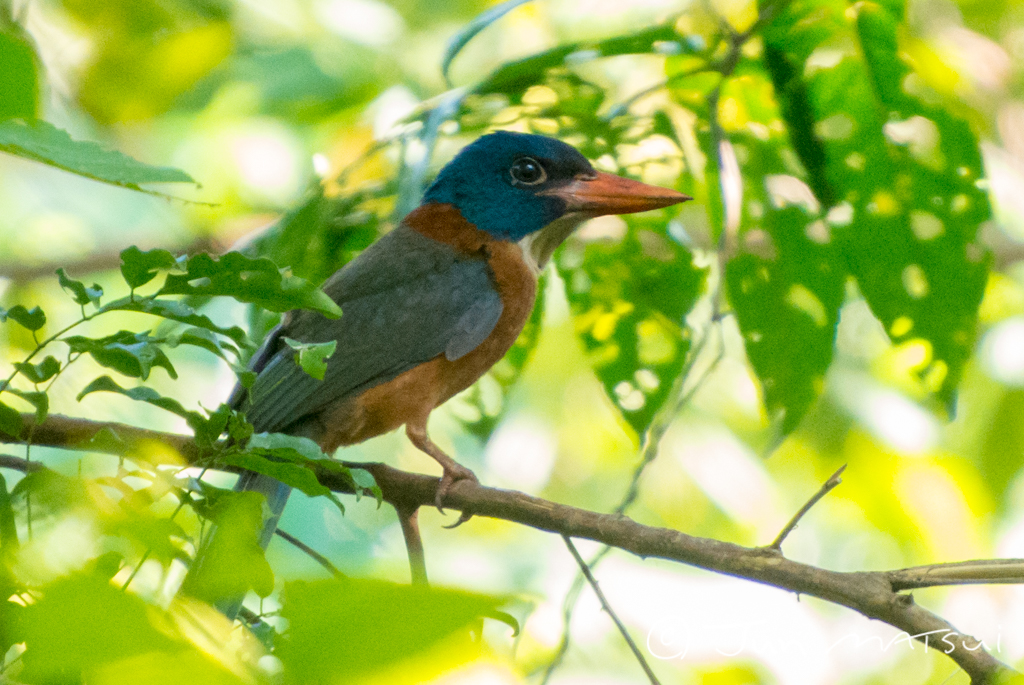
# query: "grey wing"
{"points": [[449, 308]]}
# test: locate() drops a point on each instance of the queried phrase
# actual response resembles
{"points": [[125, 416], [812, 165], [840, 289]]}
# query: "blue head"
{"points": [[494, 182], [514, 184]]}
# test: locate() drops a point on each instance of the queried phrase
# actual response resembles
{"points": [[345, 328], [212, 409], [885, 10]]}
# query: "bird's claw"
{"points": [[450, 477]]}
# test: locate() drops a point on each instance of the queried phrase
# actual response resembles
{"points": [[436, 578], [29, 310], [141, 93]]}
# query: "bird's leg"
{"points": [[453, 471]]}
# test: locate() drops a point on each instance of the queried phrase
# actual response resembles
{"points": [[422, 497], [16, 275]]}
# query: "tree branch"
{"points": [[873, 594]]}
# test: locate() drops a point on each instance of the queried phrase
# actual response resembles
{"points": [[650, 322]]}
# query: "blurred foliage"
{"points": [[843, 157]]}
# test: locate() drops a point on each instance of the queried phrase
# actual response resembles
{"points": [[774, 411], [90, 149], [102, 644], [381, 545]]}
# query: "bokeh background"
{"points": [[266, 102]]}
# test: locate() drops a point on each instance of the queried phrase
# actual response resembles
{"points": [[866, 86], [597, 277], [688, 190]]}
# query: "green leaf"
{"points": [[132, 354], [295, 475], [19, 82], [233, 562], [42, 142], [628, 300], [81, 294], [38, 373], [341, 630], [32, 319], [175, 310], [142, 394], [39, 400], [10, 421], [291, 447], [8, 530], [312, 357], [905, 175], [255, 281], [83, 622], [787, 307], [139, 268]]}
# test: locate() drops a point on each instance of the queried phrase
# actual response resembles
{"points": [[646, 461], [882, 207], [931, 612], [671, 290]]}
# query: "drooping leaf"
{"points": [[10, 420], [312, 357], [43, 142], [255, 281], [903, 174], [233, 562], [142, 394], [132, 354], [32, 319], [294, 475], [175, 310]]}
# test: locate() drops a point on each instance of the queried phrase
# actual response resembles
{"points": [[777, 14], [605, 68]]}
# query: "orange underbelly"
{"points": [[410, 397]]}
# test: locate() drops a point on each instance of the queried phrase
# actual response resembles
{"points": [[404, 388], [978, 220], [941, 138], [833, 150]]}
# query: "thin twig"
{"points": [[409, 518], [826, 488], [611, 612], [648, 453], [309, 551]]}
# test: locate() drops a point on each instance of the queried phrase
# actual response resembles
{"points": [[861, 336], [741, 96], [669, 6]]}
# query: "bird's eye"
{"points": [[528, 172]]}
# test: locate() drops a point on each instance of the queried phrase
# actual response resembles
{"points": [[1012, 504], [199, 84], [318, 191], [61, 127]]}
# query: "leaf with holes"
{"points": [[629, 299], [787, 306], [902, 173]]}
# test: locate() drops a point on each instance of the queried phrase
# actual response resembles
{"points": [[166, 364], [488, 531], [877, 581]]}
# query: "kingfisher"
{"points": [[432, 305]]}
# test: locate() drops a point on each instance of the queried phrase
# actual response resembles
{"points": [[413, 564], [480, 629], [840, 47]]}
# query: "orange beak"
{"points": [[610, 194]]}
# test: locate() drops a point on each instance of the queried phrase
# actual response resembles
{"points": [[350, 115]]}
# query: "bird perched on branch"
{"points": [[432, 305]]}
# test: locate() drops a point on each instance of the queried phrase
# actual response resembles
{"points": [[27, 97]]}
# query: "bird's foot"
{"points": [[452, 473]]}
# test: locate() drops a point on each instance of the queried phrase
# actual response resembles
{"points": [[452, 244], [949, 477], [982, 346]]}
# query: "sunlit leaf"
{"points": [[233, 561], [19, 82], [82, 622], [42, 142], [629, 298], [338, 632], [787, 306]]}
